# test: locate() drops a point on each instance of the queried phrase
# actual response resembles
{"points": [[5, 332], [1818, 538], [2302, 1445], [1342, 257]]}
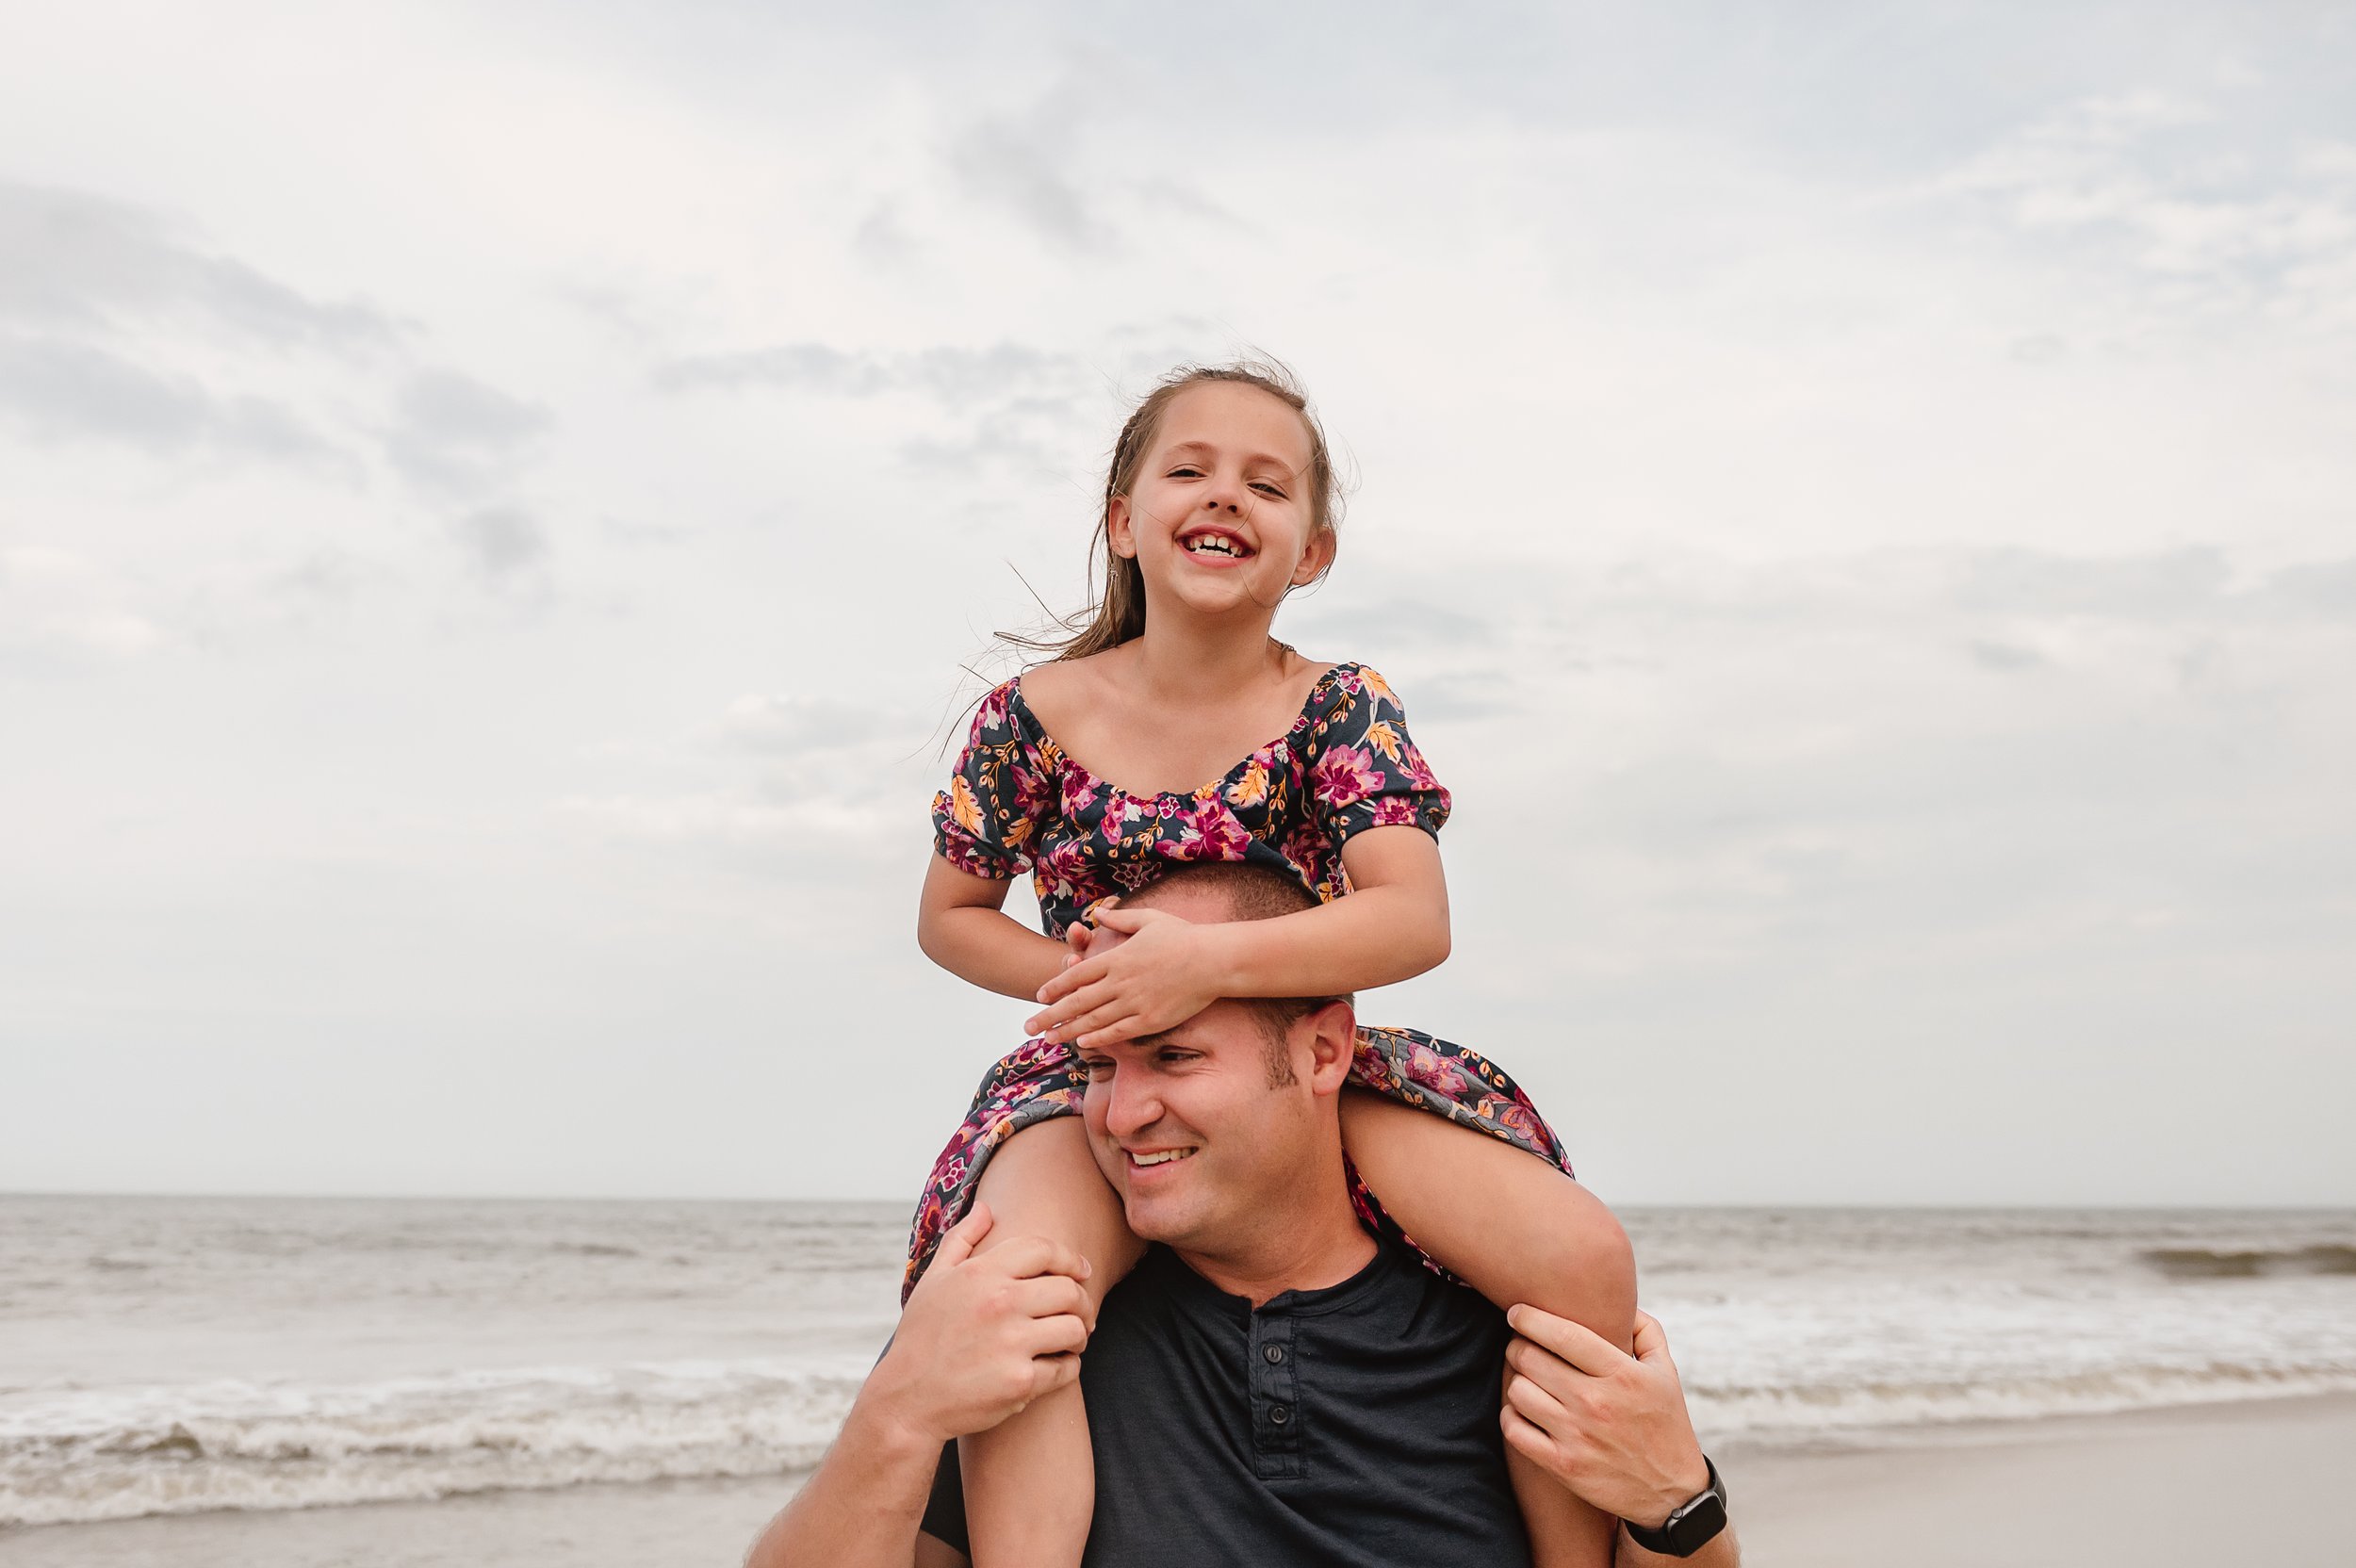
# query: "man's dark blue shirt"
{"points": [[1352, 1425]]}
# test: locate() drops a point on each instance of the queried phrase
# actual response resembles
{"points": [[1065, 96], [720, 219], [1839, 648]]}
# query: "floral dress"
{"points": [[1017, 803]]}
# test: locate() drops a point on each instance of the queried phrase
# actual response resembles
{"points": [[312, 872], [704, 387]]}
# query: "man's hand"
{"points": [[1146, 970], [1610, 1426], [982, 1335]]}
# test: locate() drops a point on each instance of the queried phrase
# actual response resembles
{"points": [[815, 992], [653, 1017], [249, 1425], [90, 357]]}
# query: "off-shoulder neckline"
{"points": [[1301, 722]]}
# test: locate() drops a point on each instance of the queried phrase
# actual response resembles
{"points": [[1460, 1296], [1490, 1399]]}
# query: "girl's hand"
{"points": [[1076, 939], [1144, 971]]}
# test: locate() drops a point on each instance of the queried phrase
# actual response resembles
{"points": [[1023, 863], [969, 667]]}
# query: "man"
{"points": [[1272, 1384]]}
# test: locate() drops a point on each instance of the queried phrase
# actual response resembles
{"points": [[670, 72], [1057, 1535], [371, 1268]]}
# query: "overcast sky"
{"points": [[498, 506]]}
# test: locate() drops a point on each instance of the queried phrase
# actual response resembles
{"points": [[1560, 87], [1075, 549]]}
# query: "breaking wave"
{"points": [[2207, 1262], [223, 1445], [1833, 1410]]}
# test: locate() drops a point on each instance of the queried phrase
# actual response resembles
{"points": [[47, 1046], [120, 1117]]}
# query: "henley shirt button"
{"points": [[1279, 1413], [1274, 1353]]}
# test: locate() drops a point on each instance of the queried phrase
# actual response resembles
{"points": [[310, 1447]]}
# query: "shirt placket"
{"points": [[1271, 1372]]}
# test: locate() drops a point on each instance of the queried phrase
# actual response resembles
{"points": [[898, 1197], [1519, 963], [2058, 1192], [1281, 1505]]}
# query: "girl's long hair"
{"points": [[1117, 613]]}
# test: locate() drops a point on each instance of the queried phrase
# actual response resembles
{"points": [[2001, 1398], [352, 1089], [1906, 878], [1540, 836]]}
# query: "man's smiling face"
{"points": [[1196, 1133]]}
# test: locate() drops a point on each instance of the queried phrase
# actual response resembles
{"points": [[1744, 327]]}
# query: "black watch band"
{"points": [[1692, 1526]]}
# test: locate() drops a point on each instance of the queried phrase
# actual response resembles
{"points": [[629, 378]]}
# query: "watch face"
{"points": [[1697, 1524]]}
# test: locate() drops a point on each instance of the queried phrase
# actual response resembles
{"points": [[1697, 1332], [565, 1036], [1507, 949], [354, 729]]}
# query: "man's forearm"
{"points": [[1720, 1552], [862, 1507]]}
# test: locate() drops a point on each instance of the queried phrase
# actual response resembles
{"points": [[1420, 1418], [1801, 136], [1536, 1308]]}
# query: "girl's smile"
{"points": [[1215, 542]]}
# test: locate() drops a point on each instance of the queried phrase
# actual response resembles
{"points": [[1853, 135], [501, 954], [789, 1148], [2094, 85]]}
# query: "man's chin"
{"points": [[1164, 1216], [1149, 1221]]}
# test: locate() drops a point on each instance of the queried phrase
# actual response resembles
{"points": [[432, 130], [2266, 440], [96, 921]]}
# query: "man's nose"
{"points": [[1133, 1104]]}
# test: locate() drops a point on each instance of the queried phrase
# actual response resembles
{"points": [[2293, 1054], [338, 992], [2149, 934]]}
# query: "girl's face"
{"points": [[1219, 519]]}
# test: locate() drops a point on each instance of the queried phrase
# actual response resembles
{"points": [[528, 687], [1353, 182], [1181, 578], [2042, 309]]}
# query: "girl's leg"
{"points": [[1518, 1230], [1030, 1481]]}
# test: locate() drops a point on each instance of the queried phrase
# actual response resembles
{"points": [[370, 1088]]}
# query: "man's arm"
{"points": [[1610, 1426], [862, 1507], [980, 1338]]}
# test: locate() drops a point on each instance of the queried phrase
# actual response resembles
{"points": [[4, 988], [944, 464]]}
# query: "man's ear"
{"points": [[1333, 1045], [1118, 536]]}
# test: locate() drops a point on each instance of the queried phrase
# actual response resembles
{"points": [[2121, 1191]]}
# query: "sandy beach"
{"points": [[2159, 1489], [2188, 1487]]}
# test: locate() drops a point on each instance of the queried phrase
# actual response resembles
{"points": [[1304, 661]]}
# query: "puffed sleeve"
{"points": [[1366, 772], [985, 821]]}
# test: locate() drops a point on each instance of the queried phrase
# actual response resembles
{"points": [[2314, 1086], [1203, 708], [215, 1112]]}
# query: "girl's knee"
{"points": [[1042, 1163], [1584, 1268], [1043, 1181]]}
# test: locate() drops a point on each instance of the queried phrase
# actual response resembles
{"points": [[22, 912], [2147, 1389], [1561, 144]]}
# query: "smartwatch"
{"points": [[1694, 1526]]}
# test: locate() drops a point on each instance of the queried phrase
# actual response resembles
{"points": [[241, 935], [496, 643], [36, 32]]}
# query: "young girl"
{"points": [[1090, 772]]}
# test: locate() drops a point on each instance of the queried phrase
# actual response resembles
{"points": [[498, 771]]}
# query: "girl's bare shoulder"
{"points": [[1062, 692], [1304, 671]]}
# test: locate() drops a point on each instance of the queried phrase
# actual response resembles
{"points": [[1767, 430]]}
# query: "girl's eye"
{"points": [[1093, 1071], [1185, 472], [1271, 489]]}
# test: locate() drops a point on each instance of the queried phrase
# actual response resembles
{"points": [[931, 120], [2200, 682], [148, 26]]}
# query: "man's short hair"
{"points": [[1249, 891]]}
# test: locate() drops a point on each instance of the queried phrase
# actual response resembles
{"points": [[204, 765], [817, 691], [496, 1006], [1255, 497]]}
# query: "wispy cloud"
{"points": [[1025, 166], [948, 373], [455, 435], [2316, 588], [116, 327], [78, 261], [2174, 195], [819, 843], [60, 390], [504, 542]]}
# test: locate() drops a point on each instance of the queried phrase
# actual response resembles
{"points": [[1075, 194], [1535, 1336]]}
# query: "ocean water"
{"points": [[168, 1356]]}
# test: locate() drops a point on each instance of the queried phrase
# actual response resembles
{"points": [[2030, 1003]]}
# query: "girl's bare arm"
{"points": [[1391, 927], [963, 925], [1393, 924]]}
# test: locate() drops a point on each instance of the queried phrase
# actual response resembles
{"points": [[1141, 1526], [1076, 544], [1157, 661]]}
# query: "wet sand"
{"points": [[2204, 1486], [2174, 1489]]}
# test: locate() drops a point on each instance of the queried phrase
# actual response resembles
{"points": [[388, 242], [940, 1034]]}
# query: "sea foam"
{"points": [[112, 1454]]}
